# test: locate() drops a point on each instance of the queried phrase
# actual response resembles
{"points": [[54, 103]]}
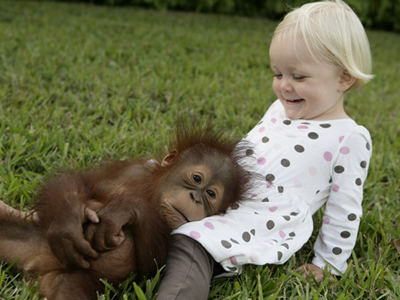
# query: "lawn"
{"points": [[79, 83]]}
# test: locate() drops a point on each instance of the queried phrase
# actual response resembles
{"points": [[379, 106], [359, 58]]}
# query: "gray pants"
{"points": [[188, 271]]}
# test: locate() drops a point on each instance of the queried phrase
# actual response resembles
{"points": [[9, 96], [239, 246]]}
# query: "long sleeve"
{"points": [[343, 210]]}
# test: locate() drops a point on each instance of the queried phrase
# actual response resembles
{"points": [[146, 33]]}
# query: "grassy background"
{"points": [[80, 82]]}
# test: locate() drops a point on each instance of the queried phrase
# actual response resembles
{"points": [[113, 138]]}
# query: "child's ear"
{"points": [[346, 81], [169, 158]]}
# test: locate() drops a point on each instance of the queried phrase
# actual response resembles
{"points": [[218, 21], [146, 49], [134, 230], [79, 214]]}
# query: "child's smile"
{"points": [[308, 89]]}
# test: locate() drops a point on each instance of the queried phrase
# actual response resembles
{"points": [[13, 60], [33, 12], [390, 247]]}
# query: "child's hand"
{"points": [[316, 271]]}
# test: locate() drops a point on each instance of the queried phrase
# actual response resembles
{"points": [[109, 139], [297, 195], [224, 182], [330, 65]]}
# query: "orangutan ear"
{"points": [[346, 81], [169, 158]]}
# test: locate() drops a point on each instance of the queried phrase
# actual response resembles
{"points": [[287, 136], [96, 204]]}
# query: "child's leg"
{"points": [[188, 271]]}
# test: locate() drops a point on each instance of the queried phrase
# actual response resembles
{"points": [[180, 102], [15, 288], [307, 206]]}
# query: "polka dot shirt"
{"points": [[302, 165]]}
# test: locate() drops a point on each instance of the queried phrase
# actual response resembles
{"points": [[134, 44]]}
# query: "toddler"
{"points": [[308, 153]]}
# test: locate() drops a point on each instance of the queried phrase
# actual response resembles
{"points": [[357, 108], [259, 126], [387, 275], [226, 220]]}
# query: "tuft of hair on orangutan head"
{"points": [[115, 219]]}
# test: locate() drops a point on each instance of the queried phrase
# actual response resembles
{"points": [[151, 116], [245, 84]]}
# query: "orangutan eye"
{"points": [[196, 178], [211, 193]]}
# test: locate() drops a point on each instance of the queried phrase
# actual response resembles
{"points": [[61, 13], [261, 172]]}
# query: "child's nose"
{"points": [[285, 86]]}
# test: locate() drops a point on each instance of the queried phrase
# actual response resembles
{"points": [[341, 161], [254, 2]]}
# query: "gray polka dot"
{"points": [[325, 125], [339, 169], [260, 122], [336, 250], [287, 218], [246, 236], [285, 245], [270, 224], [253, 232], [226, 244], [265, 139], [287, 122], [294, 214], [235, 206], [249, 152], [358, 181], [292, 234], [352, 217], [313, 135], [363, 164], [299, 148], [305, 123], [345, 234], [285, 162], [270, 177], [279, 255], [265, 200], [368, 146], [280, 189], [234, 241]]}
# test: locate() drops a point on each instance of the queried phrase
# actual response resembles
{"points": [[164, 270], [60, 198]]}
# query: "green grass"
{"points": [[80, 82]]}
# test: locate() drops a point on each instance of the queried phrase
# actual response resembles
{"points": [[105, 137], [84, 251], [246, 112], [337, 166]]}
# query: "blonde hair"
{"points": [[333, 34]]}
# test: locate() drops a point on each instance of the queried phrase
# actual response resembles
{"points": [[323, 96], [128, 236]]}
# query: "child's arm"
{"points": [[7, 210], [343, 211]]}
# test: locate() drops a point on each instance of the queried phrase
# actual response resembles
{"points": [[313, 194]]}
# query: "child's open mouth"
{"points": [[295, 100]]}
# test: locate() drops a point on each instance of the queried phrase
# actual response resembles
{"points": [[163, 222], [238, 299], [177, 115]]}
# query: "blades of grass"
{"points": [[259, 286], [109, 286], [139, 292], [357, 266]]}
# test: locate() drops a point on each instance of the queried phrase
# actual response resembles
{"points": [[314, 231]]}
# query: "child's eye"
{"points": [[279, 76], [298, 77]]}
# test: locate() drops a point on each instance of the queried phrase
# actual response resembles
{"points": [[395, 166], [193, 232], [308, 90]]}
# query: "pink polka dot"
{"points": [[302, 127], [345, 150], [261, 129], [269, 185], [261, 160], [233, 260], [253, 196], [326, 221], [273, 120], [335, 188], [297, 183], [282, 234], [273, 209], [313, 170], [195, 235], [328, 156], [341, 138], [209, 225]]}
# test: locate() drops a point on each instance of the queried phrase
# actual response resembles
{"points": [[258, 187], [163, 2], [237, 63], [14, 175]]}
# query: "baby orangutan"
{"points": [[116, 219]]}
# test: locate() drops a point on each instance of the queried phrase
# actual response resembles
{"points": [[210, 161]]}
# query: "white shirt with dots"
{"points": [[302, 165]]}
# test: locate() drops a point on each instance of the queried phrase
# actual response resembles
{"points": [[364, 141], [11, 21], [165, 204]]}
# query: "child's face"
{"points": [[307, 89]]}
